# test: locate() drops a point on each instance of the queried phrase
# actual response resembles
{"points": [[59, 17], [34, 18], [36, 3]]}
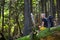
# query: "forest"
{"points": [[19, 19]]}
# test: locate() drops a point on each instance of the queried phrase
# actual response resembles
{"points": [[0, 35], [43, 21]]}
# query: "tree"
{"points": [[58, 11], [9, 28], [52, 8], [42, 6], [27, 14], [0, 8], [2, 12], [16, 20], [45, 7]]}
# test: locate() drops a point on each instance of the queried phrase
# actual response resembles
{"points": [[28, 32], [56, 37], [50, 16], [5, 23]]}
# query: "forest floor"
{"points": [[54, 36]]}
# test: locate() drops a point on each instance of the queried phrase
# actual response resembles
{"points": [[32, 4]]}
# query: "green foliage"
{"points": [[41, 34], [44, 33], [25, 38], [20, 12], [55, 28]]}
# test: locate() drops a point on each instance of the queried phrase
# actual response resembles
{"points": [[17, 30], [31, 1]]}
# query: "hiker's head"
{"points": [[43, 15]]}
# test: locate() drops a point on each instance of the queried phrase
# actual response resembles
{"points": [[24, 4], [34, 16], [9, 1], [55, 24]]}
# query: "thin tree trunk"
{"points": [[58, 11], [31, 5], [2, 11], [17, 15], [42, 6], [39, 14], [9, 28], [18, 21], [45, 7], [48, 8], [52, 8], [18, 25]]}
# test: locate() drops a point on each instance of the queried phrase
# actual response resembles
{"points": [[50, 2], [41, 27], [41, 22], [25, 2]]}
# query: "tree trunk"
{"points": [[31, 5], [0, 9], [2, 12], [17, 15], [39, 20], [27, 14], [58, 11], [52, 8], [45, 8], [9, 28], [42, 6]]}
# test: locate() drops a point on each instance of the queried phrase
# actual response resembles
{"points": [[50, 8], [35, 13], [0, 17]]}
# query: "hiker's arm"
{"points": [[42, 23]]}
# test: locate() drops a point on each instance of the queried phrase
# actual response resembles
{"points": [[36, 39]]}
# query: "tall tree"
{"points": [[39, 13], [0, 8], [58, 11], [16, 20], [2, 11], [27, 14], [45, 7], [42, 6], [52, 8], [31, 5], [9, 28]]}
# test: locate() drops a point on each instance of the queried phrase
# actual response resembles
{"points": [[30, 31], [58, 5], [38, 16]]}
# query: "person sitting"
{"points": [[44, 20]]}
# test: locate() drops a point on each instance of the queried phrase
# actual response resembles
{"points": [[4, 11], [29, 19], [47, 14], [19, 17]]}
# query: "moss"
{"points": [[24, 38]]}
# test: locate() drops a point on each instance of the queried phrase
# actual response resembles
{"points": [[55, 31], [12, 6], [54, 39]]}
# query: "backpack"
{"points": [[50, 21]]}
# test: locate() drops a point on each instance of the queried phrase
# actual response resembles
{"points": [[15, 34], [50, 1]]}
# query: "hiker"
{"points": [[50, 21], [44, 20]]}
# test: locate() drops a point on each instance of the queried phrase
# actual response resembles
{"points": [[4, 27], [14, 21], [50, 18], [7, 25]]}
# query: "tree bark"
{"points": [[17, 15], [45, 6], [2, 12], [58, 11], [9, 28], [52, 8], [42, 6], [27, 14], [0, 9]]}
